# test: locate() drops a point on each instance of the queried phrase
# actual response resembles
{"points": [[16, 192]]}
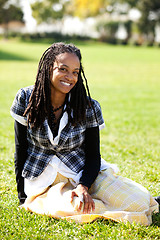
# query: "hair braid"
{"points": [[90, 100], [39, 106]]}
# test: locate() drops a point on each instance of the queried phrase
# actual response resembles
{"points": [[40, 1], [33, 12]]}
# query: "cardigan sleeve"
{"points": [[20, 104], [20, 157], [92, 157], [94, 115]]}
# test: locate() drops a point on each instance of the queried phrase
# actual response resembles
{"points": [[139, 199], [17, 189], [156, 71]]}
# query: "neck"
{"points": [[57, 99]]}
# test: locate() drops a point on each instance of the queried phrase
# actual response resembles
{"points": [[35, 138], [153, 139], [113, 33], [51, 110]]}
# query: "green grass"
{"points": [[126, 81]]}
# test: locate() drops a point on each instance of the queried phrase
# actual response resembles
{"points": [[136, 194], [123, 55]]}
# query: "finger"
{"points": [[81, 198], [85, 209], [73, 194], [93, 206], [89, 208], [87, 203], [80, 206]]}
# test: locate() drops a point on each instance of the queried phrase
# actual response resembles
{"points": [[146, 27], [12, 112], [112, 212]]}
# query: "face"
{"points": [[65, 73]]}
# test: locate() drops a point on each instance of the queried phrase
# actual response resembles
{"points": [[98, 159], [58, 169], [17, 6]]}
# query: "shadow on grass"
{"points": [[156, 219], [11, 56], [104, 221]]}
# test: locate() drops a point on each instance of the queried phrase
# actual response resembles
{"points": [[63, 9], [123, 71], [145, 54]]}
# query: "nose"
{"points": [[69, 76]]}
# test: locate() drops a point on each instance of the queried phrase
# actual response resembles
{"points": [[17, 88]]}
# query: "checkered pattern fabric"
{"points": [[70, 148], [115, 197]]}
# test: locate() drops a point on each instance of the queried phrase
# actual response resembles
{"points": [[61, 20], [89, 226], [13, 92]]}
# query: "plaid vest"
{"points": [[70, 145]]}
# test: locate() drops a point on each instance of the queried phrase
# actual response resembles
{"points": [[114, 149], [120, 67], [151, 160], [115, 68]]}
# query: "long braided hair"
{"points": [[39, 106]]}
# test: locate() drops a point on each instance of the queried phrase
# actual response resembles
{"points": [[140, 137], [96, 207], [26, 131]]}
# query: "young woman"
{"points": [[57, 159]]}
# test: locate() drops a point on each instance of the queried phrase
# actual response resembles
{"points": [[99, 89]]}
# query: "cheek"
{"points": [[75, 82], [76, 79], [54, 77]]}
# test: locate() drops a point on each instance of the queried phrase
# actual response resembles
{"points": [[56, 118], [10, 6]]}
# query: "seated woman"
{"points": [[59, 170]]}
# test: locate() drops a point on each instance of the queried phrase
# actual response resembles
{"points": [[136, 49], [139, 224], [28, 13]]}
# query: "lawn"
{"points": [[126, 81]]}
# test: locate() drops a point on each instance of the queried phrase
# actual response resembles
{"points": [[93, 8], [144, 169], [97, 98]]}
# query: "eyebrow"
{"points": [[62, 64]]}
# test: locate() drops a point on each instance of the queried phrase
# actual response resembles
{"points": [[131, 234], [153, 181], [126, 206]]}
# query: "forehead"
{"points": [[68, 59]]}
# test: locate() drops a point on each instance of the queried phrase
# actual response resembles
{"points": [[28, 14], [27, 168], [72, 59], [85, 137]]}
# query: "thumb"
{"points": [[73, 194]]}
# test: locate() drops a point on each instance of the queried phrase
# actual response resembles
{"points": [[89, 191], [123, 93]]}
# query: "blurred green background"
{"points": [[125, 80], [135, 22], [123, 75]]}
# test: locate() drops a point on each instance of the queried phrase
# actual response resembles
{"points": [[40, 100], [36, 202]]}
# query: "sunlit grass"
{"points": [[126, 81]]}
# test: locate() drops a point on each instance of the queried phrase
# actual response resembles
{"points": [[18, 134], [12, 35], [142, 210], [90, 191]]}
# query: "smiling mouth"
{"points": [[66, 83]]}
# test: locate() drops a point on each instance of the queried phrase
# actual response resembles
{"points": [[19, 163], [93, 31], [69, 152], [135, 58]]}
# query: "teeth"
{"points": [[67, 84]]}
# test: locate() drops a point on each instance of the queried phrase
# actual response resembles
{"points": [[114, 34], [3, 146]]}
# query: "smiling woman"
{"points": [[57, 143], [65, 74]]}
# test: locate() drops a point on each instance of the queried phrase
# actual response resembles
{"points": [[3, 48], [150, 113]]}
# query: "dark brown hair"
{"points": [[39, 106]]}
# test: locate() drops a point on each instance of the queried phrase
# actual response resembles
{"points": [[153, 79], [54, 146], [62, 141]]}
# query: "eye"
{"points": [[75, 73], [62, 69]]}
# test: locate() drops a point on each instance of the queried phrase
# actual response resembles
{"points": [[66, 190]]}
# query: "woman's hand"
{"points": [[81, 192]]}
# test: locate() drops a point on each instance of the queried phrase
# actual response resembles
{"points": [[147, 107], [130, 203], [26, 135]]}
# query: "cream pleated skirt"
{"points": [[115, 197]]}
